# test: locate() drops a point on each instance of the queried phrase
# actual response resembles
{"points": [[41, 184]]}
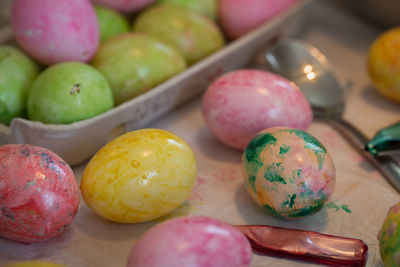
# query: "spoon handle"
{"points": [[306, 245], [386, 165]]}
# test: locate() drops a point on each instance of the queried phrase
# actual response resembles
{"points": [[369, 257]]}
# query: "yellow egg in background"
{"points": [[33, 263], [384, 63], [139, 176]]}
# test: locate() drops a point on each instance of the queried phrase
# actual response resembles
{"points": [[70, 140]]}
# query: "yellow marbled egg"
{"points": [[139, 176], [33, 263], [384, 63]]}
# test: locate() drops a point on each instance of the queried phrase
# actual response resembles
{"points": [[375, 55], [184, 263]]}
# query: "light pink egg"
{"points": [[195, 241], [238, 17], [239, 104], [56, 31], [124, 6]]}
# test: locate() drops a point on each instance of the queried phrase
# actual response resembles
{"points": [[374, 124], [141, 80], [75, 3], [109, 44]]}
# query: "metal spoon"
{"points": [[310, 70]]}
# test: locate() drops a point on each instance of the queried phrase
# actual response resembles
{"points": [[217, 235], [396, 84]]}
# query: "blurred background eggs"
{"points": [[384, 64], [53, 33]]}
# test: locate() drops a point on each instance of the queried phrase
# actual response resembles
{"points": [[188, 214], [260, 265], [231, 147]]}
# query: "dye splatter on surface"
{"points": [[338, 207], [288, 172], [38, 193], [389, 237]]}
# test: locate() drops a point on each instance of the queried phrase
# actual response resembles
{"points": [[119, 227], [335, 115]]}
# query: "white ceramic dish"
{"points": [[78, 141]]}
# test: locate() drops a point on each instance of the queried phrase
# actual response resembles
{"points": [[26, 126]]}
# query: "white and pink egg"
{"points": [[239, 104]]}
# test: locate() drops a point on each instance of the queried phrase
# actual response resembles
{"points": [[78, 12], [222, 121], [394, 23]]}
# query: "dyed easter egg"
{"points": [[125, 6], [17, 72], [384, 64], [56, 31], [288, 172], [111, 23], [191, 33], [139, 176], [205, 7], [134, 63], [33, 264], [38, 193], [239, 104], [389, 237], [238, 17], [191, 241], [68, 92]]}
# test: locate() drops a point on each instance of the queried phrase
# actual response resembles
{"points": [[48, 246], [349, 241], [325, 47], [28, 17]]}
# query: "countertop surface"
{"points": [[344, 38]]}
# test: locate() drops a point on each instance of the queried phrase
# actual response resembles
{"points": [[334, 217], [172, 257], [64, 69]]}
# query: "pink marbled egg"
{"points": [[196, 241], [124, 6], [56, 31], [39, 196], [239, 104], [238, 17]]}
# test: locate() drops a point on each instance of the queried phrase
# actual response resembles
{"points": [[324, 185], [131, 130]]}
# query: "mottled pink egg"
{"points": [[239, 104], [56, 31], [124, 6], [196, 241], [38, 193], [238, 17]]}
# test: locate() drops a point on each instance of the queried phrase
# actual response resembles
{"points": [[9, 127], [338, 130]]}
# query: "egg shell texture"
{"points": [[139, 176], [124, 6], [389, 237], [33, 263], [56, 31], [288, 172], [38, 193], [239, 104], [238, 17], [191, 241], [134, 63], [192, 34], [384, 64]]}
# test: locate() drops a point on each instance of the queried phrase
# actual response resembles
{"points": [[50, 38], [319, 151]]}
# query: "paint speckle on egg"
{"points": [[389, 237], [288, 172], [239, 104]]}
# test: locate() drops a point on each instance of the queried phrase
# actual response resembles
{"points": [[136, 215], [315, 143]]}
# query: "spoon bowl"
{"points": [[310, 70]]}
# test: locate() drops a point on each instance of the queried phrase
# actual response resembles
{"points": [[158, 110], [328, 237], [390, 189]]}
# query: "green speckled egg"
{"points": [[288, 172], [389, 237]]}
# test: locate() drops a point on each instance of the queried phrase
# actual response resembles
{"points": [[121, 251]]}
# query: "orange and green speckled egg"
{"points": [[389, 237], [139, 176], [384, 63], [288, 172], [33, 264]]}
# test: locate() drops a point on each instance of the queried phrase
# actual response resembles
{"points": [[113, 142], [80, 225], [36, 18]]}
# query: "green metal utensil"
{"points": [[385, 141]]}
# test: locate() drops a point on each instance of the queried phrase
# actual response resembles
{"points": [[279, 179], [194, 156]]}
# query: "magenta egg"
{"points": [[56, 31], [196, 241], [38, 193], [239, 104], [238, 17], [124, 6]]}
